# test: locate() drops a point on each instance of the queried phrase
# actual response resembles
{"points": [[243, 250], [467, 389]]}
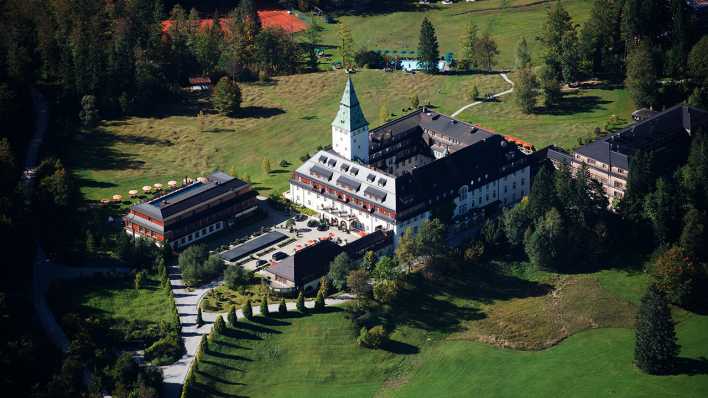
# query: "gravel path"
{"points": [[187, 301], [509, 91]]}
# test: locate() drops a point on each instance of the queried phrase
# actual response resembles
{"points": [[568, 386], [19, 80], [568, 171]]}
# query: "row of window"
{"points": [[200, 233]]}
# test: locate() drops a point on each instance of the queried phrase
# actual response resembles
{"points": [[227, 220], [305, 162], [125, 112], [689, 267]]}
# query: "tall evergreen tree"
{"points": [[542, 196], [264, 306], [655, 349], [247, 310], [642, 76], [428, 52], [346, 46], [487, 52], [680, 38], [644, 20], [663, 210], [227, 96], [469, 47], [525, 91], [231, 316], [559, 38], [523, 55]]}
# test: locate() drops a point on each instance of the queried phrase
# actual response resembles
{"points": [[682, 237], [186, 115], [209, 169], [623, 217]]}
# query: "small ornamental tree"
{"points": [[415, 101], [203, 346], [282, 307], [264, 306], [655, 348], [372, 338], [247, 310], [231, 316], [265, 166], [300, 303], [200, 320], [139, 280], [319, 302], [227, 96], [219, 325]]}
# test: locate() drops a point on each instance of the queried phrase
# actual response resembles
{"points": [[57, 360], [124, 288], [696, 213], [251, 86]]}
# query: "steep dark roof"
{"points": [[476, 164], [189, 196], [253, 246], [617, 148], [307, 264]]}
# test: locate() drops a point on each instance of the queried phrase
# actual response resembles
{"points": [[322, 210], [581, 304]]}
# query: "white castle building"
{"points": [[399, 174]]}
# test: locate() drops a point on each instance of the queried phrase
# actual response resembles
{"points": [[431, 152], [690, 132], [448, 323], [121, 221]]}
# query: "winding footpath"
{"points": [[509, 91], [187, 301]]}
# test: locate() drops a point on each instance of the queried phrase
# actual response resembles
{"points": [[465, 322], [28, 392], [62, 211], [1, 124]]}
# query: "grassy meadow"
{"points": [[400, 30], [432, 351]]}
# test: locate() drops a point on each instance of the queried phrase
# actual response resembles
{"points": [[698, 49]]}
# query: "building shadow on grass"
{"points": [[691, 366]]}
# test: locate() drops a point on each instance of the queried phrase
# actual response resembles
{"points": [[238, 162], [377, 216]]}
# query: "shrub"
{"points": [[165, 351], [203, 347], [200, 320], [284, 163], [139, 280], [282, 307], [385, 291], [370, 59], [264, 306], [676, 276], [197, 266], [236, 276], [231, 316], [300, 303], [219, 325], [372, 338], [247, 310], [319, 302]]}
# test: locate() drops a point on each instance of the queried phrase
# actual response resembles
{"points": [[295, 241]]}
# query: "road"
{"points": [[509, 91]]}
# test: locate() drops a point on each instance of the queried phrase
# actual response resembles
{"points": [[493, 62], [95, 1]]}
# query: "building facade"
{"points": [[192, 212], [608, 159], [398, 174]]}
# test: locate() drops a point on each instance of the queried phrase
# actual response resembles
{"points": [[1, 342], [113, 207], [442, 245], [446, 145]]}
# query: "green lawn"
{"points": [[316, 355], [114, 299], [400, 30], [576, 116], [280, 121]]}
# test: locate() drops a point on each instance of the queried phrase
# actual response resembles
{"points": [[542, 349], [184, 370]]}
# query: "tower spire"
{"points": [[350, 129]]}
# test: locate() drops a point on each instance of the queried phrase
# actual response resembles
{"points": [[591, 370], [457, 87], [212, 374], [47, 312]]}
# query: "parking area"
{"points": [[305, 231]]}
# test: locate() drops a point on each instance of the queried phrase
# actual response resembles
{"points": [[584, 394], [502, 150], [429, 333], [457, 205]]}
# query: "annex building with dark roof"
{"points": [[608, 158], [193, 211], [393, 176]]}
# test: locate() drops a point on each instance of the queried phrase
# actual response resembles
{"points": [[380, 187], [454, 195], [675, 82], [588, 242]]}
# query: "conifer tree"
{"points": [[655, 349], [300, 303], [525, 92], [203, 347], [231, 316], [346, 47], [319, 302], [642, 76], [219, 325], [264, 306], [523, 55], [265, 166], [200, 320], [469, 47], [227, 96], [247, 310], [282, 307], [428, 52]]}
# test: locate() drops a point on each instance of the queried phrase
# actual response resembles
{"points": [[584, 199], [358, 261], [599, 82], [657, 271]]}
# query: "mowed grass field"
{"points": [[317, 356], [400, 30], [279, 121]]}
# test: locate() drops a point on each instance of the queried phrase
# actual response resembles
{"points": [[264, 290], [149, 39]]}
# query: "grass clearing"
{"points": [[400, 30], [114, 299], [576, 303], [280, 121], [317, 355]]}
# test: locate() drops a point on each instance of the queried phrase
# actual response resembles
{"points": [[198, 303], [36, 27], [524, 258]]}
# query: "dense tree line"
{"points": [[635, 41]]}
